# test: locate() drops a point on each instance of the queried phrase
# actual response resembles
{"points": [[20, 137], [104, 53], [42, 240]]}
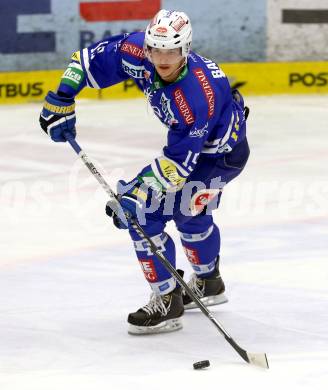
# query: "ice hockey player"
{"points": [[206, 148]]}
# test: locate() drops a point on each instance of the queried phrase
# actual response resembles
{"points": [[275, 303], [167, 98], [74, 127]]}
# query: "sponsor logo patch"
{"points": [[199, 133], [134, 71], [73, 75], [149, 270], [59, 109], [133, 50], [201, 199], [170, 173], [183, 107], [192, 255], [76, 56], [178, 24], [207, 89], [161, 30]]}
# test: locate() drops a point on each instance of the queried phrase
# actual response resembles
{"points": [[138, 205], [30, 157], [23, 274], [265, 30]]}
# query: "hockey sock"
{"points": [[202, 249], [160, 280]]}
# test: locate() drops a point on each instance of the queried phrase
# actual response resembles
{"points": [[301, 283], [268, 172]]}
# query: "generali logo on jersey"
{"points": [[133, 50], [208, 91], [183, 107]]}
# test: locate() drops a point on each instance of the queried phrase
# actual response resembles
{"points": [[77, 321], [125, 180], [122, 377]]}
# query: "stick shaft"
{"points": [[114, 204]]}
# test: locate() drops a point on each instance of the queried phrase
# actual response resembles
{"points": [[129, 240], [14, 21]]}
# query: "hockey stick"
{"points": [[258, 359]]}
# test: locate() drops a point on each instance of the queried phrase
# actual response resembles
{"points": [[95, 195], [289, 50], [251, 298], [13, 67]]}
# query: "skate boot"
{"points": [[162, 314], [210, 289]]}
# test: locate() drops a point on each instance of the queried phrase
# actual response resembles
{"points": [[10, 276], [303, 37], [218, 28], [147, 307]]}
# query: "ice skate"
{"points": [[162, 314], [210, 290]]}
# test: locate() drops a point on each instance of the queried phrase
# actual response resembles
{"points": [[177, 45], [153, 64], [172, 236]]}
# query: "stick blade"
{"points": [[258, 359]]}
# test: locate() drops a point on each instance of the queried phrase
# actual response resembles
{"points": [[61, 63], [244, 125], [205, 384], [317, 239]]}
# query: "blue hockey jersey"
{"points": [[198, 109]]}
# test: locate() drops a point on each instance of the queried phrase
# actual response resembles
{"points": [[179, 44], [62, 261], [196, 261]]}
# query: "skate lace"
{"points": [[156, 304], [196, 285]]}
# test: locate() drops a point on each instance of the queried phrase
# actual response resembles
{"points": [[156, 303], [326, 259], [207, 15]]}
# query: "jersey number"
{"points": [[191, 160]]}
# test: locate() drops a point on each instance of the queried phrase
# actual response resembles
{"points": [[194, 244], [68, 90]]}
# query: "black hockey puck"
{"points": [[202, 364]]}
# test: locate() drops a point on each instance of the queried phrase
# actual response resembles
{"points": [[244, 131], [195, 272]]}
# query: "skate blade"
{"points": [[163, 327], [208, 301]]}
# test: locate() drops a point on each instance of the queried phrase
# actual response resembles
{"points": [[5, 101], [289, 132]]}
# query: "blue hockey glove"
{"points": [[132, 199], [58, 116]]}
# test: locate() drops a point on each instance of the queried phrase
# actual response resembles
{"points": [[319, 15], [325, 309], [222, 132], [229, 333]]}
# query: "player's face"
{"points": [[167, 62]]}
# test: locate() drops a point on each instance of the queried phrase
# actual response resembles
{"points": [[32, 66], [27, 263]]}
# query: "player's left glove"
{"points": [[132, 199], [58, 116], [238, 98]]}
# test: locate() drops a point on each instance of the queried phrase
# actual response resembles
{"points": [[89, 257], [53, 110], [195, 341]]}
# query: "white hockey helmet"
{"points": [[169, 30]]}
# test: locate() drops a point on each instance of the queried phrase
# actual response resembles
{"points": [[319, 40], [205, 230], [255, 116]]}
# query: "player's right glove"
{"points": [[58, 116], [132, 200]]}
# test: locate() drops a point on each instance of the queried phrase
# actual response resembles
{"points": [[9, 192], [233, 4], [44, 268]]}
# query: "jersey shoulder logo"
{"points": [[183, 106]]}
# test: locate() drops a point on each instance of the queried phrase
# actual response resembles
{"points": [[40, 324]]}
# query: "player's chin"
{"points": [[164, 70]]}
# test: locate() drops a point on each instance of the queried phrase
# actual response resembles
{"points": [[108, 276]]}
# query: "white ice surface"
{"points": [[68, 279]]}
